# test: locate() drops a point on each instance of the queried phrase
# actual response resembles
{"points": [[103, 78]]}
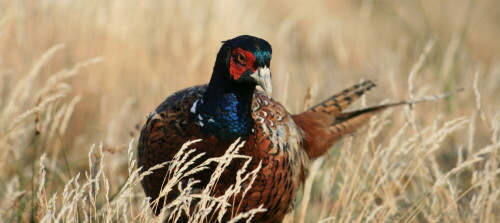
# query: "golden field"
{"points": [[78, 78]]}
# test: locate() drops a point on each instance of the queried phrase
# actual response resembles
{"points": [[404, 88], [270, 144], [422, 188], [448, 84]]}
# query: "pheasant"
{"points": [[230, 107]]}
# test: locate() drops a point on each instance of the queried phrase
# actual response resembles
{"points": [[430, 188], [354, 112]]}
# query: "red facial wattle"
{"points": [[236, 68]]}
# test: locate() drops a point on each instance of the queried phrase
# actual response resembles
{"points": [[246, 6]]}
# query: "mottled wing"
{"points": [[165, 131]]}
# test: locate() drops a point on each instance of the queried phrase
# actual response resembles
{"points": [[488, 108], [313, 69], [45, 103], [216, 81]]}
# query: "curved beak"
{"points": [[262, 77]]}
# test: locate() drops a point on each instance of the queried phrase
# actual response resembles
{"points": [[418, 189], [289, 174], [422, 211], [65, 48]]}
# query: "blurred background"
{"points": [[78, 73]]}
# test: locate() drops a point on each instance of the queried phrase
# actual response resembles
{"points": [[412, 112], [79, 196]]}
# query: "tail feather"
{"points": [[318, 123], [325, 123], [348, 122], [373, 109], [340, 101]]}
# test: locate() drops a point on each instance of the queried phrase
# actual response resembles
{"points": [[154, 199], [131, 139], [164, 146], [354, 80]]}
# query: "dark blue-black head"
{"points": [[246, 59]]}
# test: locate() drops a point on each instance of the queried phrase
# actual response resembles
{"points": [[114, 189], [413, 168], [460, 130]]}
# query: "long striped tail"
{"points": [[326, 122]]}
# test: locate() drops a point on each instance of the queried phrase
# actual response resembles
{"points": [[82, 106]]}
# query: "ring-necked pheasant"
{"points": [[230, 107]]}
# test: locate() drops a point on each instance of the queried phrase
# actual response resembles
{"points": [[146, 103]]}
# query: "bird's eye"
{"points": [[241, 58]]}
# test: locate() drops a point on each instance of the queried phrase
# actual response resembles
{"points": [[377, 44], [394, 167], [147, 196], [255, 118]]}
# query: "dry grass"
{"points": [[76, 75]]}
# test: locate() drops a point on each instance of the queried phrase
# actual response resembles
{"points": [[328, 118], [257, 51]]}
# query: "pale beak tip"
{"points": [[267, 91]]}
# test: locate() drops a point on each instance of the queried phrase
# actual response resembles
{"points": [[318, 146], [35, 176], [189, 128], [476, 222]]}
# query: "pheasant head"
{"points": [[245, 60], [224, 110]]}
